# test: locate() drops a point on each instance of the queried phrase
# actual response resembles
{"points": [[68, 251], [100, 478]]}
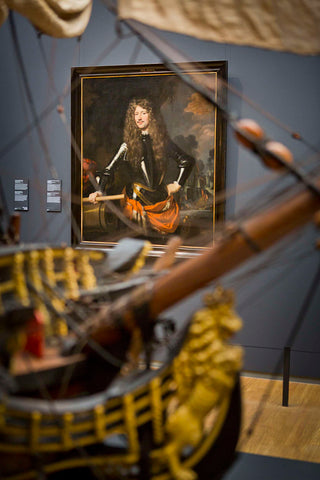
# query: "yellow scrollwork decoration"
{"points": [[204, 372]]}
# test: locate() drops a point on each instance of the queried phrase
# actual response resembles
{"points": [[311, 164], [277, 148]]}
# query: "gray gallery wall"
{"points": [[285, 85]]}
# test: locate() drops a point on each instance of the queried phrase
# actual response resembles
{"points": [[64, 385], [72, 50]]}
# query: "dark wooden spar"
{"points": [[241, 243]]}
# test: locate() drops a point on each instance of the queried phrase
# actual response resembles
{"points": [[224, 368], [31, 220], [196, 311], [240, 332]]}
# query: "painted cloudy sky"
{"points": [[192, 117]]}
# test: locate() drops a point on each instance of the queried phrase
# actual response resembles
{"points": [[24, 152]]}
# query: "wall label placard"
{"points": [[21, 194], [54, 195]]}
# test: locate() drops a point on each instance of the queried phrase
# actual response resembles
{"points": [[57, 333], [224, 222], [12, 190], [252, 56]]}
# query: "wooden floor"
{"points": [[291, 432]]}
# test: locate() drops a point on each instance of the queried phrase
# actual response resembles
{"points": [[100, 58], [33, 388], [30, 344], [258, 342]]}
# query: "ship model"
{"points": [[83, 386]]}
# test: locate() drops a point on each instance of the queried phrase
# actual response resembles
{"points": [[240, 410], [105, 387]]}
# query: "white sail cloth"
{"points": [[57, 18], [285, 25]]}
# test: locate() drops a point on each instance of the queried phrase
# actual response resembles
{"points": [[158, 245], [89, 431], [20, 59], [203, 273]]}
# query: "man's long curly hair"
{"points": [[156, 130]]}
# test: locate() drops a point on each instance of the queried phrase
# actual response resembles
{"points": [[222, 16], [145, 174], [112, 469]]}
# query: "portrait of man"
{"points": [[147, 148], [152, 144]]}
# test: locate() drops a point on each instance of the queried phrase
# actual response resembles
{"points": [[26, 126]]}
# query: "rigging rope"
{"points": [[30, 97]]}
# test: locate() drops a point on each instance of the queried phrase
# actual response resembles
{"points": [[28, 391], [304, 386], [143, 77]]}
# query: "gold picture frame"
{"points": [[99, 102]]}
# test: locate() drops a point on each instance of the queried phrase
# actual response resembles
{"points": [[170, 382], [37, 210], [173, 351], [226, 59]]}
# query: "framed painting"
{"points": [[148, 155]]}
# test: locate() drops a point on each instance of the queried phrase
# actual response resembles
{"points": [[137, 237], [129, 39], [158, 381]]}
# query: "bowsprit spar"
{"points": [[71, 322]]}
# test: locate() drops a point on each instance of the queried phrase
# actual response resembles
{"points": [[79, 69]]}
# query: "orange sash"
{"points": [[162, 216]]}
